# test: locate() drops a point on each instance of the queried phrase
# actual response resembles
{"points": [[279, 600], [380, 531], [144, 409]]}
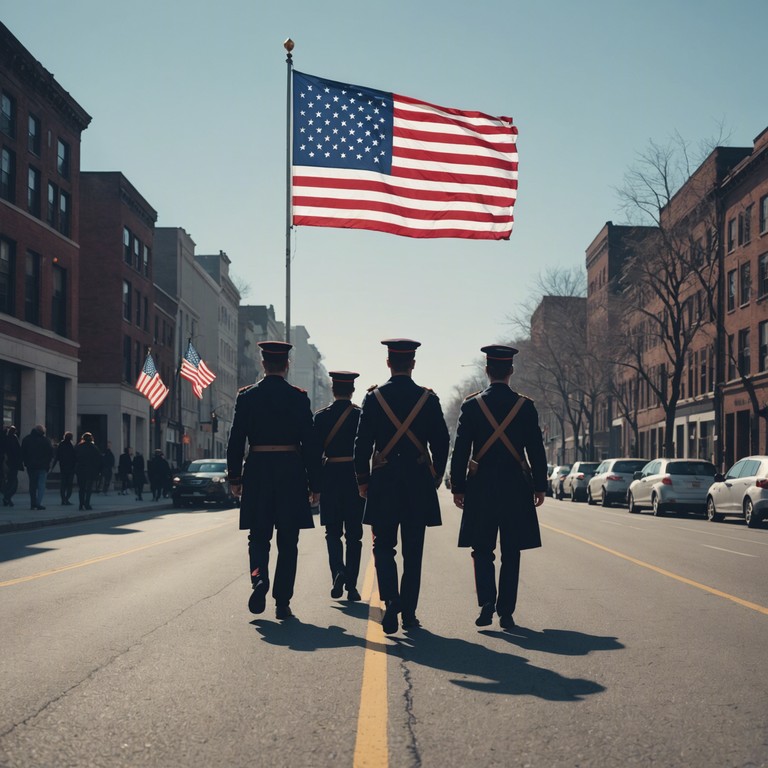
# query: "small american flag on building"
{"points": [[193, 369], [150, 384], [367, 159]]}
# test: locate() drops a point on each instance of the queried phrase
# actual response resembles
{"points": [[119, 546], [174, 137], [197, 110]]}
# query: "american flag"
{"points": [[150, 384], [366, 159], [195, 370]]}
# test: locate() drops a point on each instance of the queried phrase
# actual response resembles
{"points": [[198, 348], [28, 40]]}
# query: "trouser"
{"points": [[384, 543], [106, 479], [353, 536], [36, 486], [139, 488], [65, 485], [156, 488], [484, 544], [259, 544], [11, 484], [85, 489]]}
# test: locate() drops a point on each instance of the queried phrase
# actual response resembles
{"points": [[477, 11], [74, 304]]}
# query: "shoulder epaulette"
{"points": [[245, 388], [372, 387], [469, 397]]}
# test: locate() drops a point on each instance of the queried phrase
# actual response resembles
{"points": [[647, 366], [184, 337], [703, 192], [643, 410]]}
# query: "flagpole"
{"points": [[288, 45]]}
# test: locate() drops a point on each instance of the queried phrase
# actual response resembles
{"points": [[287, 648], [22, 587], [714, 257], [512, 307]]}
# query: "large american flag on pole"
{"points": [[367, 159], [150, 384], [193, 369]]}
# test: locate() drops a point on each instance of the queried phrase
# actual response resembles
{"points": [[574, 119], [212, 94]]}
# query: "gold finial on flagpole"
{"points": [[288, 45]]}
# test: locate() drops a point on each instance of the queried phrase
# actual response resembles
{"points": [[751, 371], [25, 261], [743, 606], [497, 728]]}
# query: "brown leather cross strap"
{"points": [[402, 428], [337, 426], [499, 432], [338, 459]]}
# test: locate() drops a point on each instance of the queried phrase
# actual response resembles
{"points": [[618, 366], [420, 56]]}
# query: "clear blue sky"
{"points": [[188, 101]]}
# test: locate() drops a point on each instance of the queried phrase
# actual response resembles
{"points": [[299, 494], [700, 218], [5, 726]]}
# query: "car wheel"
{"points": [[750, 517], [573, 494], [658, 507], [632, 508], [604, 499], [176, 501], [712, 514], [590, 500]]}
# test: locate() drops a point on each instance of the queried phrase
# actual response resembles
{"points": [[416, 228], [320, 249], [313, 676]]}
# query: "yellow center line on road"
{"points": [[102, 558], [712, 591], [371, 748]]}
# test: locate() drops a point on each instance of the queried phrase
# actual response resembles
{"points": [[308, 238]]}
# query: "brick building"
{"points": [[40, 131]]}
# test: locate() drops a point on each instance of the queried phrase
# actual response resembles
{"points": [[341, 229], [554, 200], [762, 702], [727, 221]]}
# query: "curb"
{"points": [[80, 518]]}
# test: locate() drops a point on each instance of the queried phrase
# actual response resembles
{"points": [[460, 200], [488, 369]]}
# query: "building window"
{"points": [[763, 214], [59, 301], [8, 114], [745, 283], [7, 276], [32, 288], [127, 296], [146, 313], [127, 358], [8, 175], [762, 276], [33, 135], [744, 367], [146, 261], [126, 245], [64, 219], [731, 238], [137, 253], [33, 191], [762, 335], [138, 309], [745, 225], [731, 358], [53, 205], [137, 362], [63, 158], [731, 299]]}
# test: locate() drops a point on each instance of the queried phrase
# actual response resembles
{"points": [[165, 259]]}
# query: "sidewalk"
{"points": [[20, 517]]}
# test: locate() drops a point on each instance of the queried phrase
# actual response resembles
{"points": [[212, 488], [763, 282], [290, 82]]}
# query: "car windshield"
{"points": [[628, 466], [701, 468], [586, 467], [207, 466]]}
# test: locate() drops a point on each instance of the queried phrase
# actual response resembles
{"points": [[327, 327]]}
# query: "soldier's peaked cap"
{"points": [[348, 376], [275, 349], [499, 353], [408, 346]]}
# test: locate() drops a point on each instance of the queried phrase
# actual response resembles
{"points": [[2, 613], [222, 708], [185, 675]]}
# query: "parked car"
{"points": [[742, 492], [550, 467], [575, 482], [204, 480], [611, 479], [664, 485], [555, 480]]}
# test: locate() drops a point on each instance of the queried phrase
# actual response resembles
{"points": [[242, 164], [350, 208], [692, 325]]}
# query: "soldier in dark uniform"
{"points": [[341, 511], [401, 423], [281, 475], [507, 481]]}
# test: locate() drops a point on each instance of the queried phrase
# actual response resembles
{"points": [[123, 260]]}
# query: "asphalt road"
{"points": [[641, 641]]}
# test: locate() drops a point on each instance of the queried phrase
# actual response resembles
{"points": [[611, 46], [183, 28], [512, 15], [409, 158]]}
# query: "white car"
{"points": [[575, 482], [742, 492], [664, 485], [611, 479]]}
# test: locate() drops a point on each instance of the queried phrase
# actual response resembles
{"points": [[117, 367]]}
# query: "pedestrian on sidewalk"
{"points": [[124, 469], [498, 478], [88, 467], [139, 476], [107, 468], [37, 455], [158, 473], [65, 458], [341, 511], [401, 424], [281, 476], [13, 465]]}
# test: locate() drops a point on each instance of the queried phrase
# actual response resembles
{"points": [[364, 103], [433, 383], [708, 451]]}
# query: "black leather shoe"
{"points": [[258, 599], [353, 595], [389, 623], [485, 619], [410, 621], [337, 590], [283, 612], [507, 622]]}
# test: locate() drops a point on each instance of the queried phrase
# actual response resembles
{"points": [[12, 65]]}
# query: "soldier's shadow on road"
{"points": [[558, 641], [298, 636], [489, 671]]}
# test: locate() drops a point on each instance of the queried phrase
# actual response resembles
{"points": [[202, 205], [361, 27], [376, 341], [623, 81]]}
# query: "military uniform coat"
{"points": [[404, 488], [276, 486], [499, 489], [339, 497]]}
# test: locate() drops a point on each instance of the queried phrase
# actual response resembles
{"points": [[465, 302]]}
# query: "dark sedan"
{"points": [[205, 480]]}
